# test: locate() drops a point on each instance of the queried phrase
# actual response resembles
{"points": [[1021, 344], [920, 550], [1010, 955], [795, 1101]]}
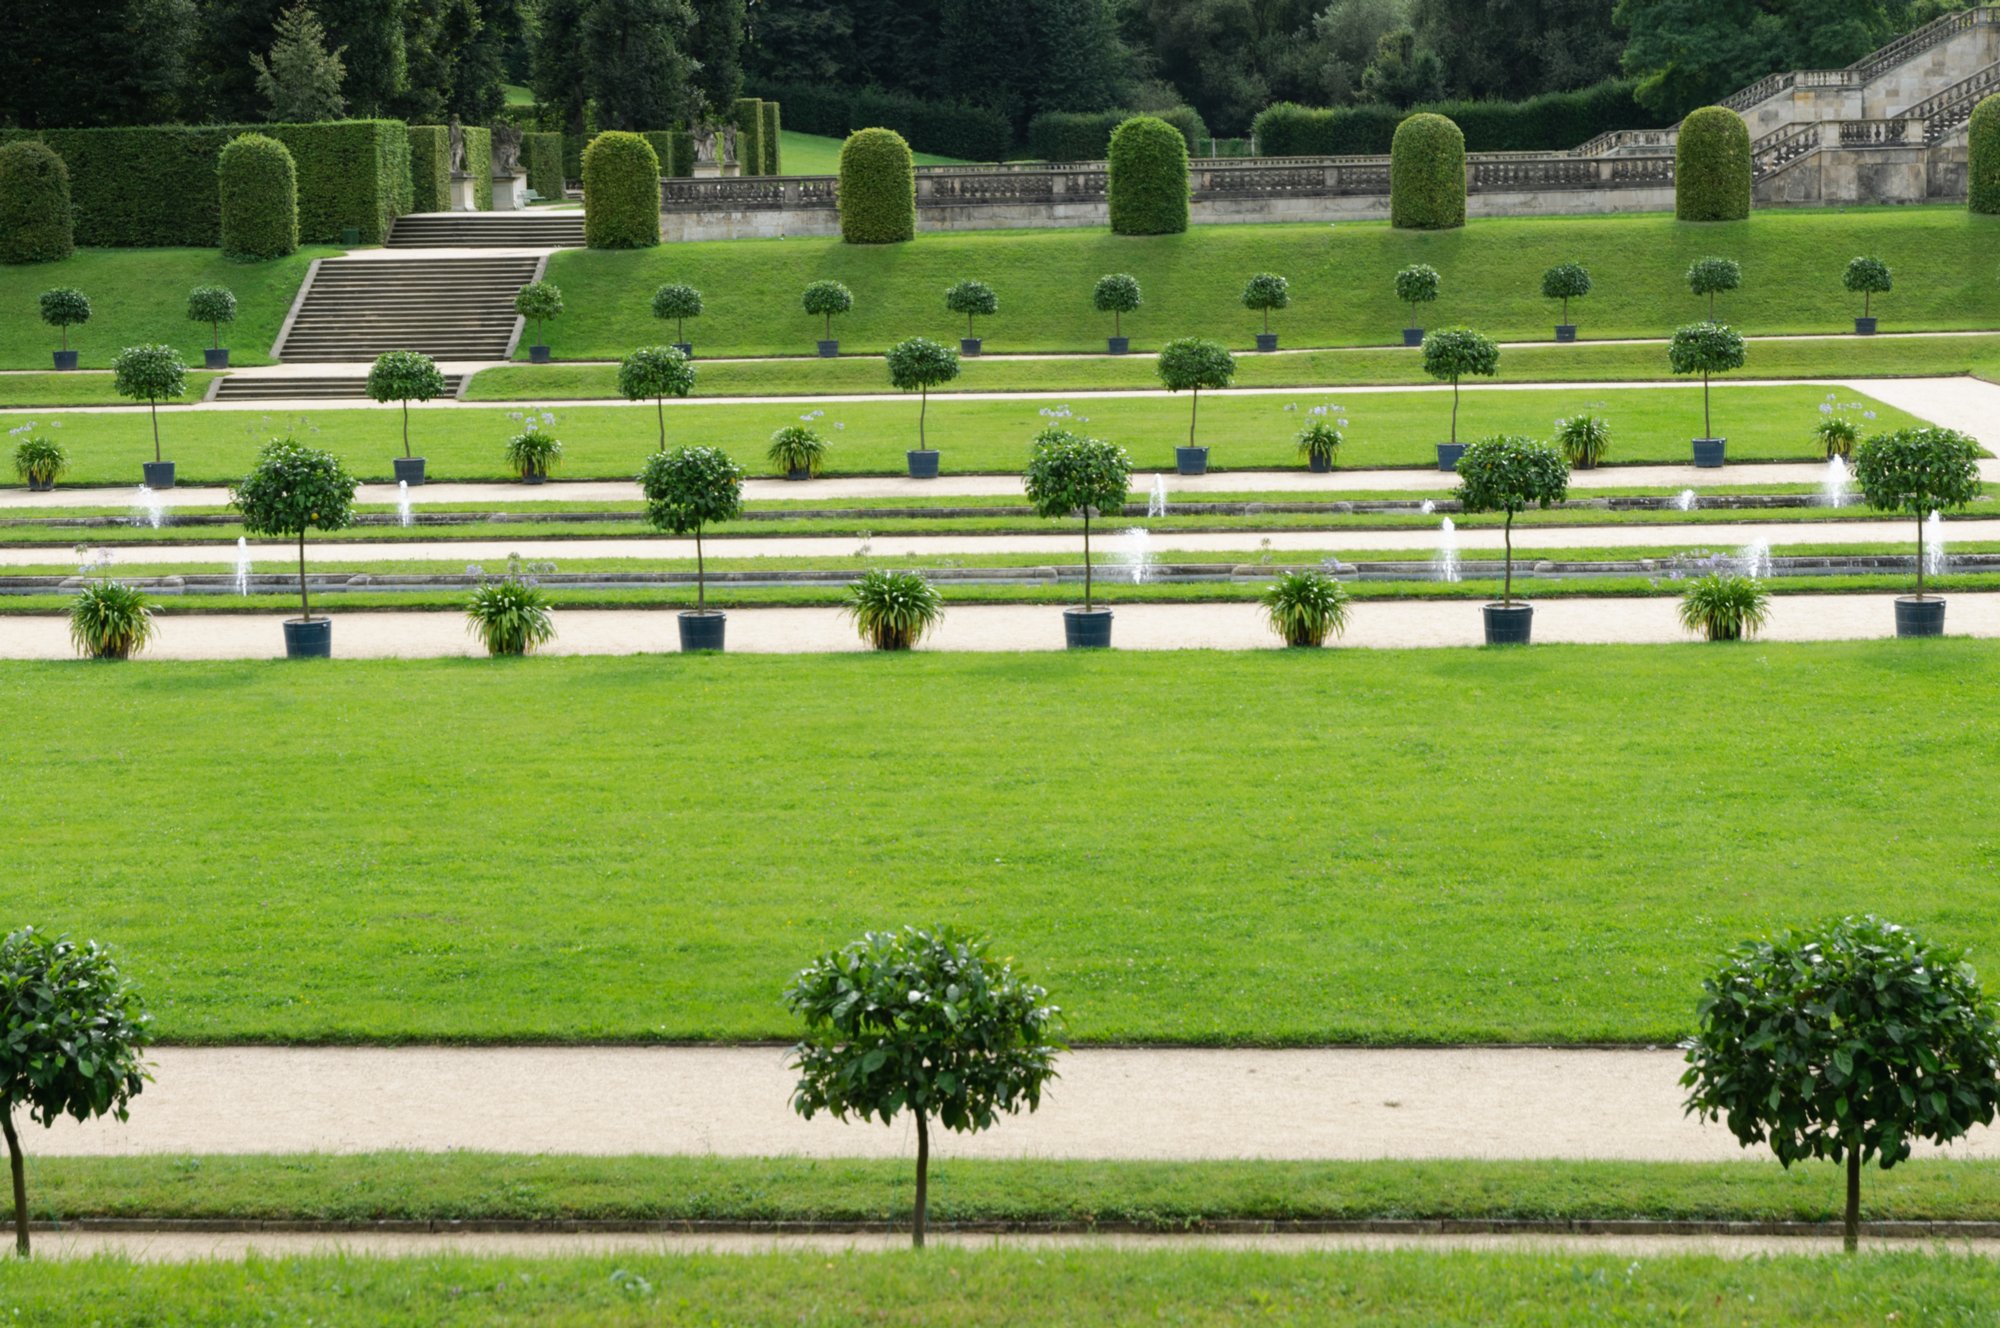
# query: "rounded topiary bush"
{"points": [[878, 188], [1982, 174], [1427, 174], [1147, 178], [36, 224], [1712, 166], [621, 192], [259, 188]]}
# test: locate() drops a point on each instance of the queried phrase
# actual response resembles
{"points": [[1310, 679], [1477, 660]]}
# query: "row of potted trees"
{"points": [[66, 307]]}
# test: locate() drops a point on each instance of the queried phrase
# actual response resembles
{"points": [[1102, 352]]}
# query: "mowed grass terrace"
{"points": [[1349, 846]]}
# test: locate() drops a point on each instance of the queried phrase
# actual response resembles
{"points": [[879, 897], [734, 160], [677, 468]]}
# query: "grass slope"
{"points": [[1389, 846], [1341, 281], [815, 154], [1385, 429], [1076, 1288], [140, 295]]}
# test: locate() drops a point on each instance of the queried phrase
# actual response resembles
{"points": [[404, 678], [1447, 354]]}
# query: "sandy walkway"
{"points": [[1233, 626], [735, 1101]]}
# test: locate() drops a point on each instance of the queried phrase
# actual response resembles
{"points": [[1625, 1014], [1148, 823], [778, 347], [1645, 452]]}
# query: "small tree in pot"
{"points": [[538, 302], [686, 490], [1188, 364], [973, 299], [1713, 276], [1415, 285], [1264, 292], [1565, 282], [151, 374], [679, 303], [918, 365], [294, 489], [71, 1033], [1867, 277], [1452, 354], [1918, 472], [656, 372], [1849, 1042], [1072, 475], [1706, 348], [1509, 474], [922, 1021], [824, 299], [1116, 294], [404, 376], [214, 305], [63, 308]]}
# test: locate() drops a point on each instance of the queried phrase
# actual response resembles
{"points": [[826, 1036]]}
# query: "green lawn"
{"points": [[140, 295], [1367, 846], [814, 154], [1341, 281], [1094, 1288], [81, 389], [1385, 429]]}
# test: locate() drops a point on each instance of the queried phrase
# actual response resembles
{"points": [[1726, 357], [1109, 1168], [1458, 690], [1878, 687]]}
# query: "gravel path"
{"points": [[1229, 626], [1151, 1103]]}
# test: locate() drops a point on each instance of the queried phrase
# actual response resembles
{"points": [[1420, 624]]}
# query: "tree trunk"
{"points": [[215, 334], [18, 1165], [1454, 408], [921, 1219], [700, 576], [1194, 408], [660, 410], [1850, 1234], [1086, 560], [923, 409], [1267, 322], [1117, 325], [1507, 536], [406, 426], [305, 601], [1921, 555], [1707, 425], [153, 407], [680, 333]]}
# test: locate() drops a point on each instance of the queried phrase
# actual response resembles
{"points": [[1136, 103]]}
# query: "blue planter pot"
{"points": [[702, 631], [1508, 624], [828, 349], [1191, 460], [1920, 617], [1864, 327], [65, 359], [1087, 629], [409, 470], [159, 474], [923, 464], [969, 345], [1117, 345], [1709, 453], [687, 348], [1448, 455], [1413, 336], [215, 357], [310, 638], [538, 355], [1267, 341], [1565, 331]]}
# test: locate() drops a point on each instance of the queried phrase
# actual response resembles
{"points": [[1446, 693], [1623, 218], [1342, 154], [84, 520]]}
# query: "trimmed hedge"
{"points": [[259, 188], [1427, 174], [1086, 135], [679, 161], [972, 133], [573, 146], [1552, 122], [479, 164], [748, 115], [621, 192], [36, 223], [1712, 166], [773, 163], [1147, 178], [154, 186], [430, 168], [662, 143], [878, 188], [542, 154], [1982, 173]]}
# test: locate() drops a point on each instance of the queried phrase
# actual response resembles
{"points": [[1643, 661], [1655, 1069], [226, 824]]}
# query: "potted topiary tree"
{"points": [[918, 365], [1706, 348], [1264, 292], [151, 374], [1867, 277], [1415, 285], [1449, 355], [824, 299], [1565, 282], [1712, 277], [1849, 1042], [214, 305], [1070, 475], [404, 376], [294, 489], [1918, 472], [1188, 364], [679, 303], [797, 451], [657, 372], [971, 298], [687, 489], [1117, 295], [63, 308], [1508, 474], [539, 301]]}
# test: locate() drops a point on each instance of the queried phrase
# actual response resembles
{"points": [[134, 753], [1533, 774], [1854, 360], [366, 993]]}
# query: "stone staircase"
{"points": [[488, 230], [288, 387], [448, 308]]}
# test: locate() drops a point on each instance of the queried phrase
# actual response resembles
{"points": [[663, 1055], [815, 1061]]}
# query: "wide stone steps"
{"points": [[447, 308], [271, 388], [488, 230]]}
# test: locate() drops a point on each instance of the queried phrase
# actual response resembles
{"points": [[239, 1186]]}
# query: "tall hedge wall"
{"points": [[1712, 166], [479, 164], [1086, 136], [679, 161], [972, 133], [749, 119], [661, 141], [1147, 178], [573, 146], [430, 168], [1427, 174], [153, 186], [1553, 122], [542, 154], [1982, 175], [621, 192], [878, 188], [773, 162], [37, 224]]}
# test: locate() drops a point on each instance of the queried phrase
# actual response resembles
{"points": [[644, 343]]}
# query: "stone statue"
{"points": [[729, 144], [704, 144], [457, 136], [506, 150]]}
